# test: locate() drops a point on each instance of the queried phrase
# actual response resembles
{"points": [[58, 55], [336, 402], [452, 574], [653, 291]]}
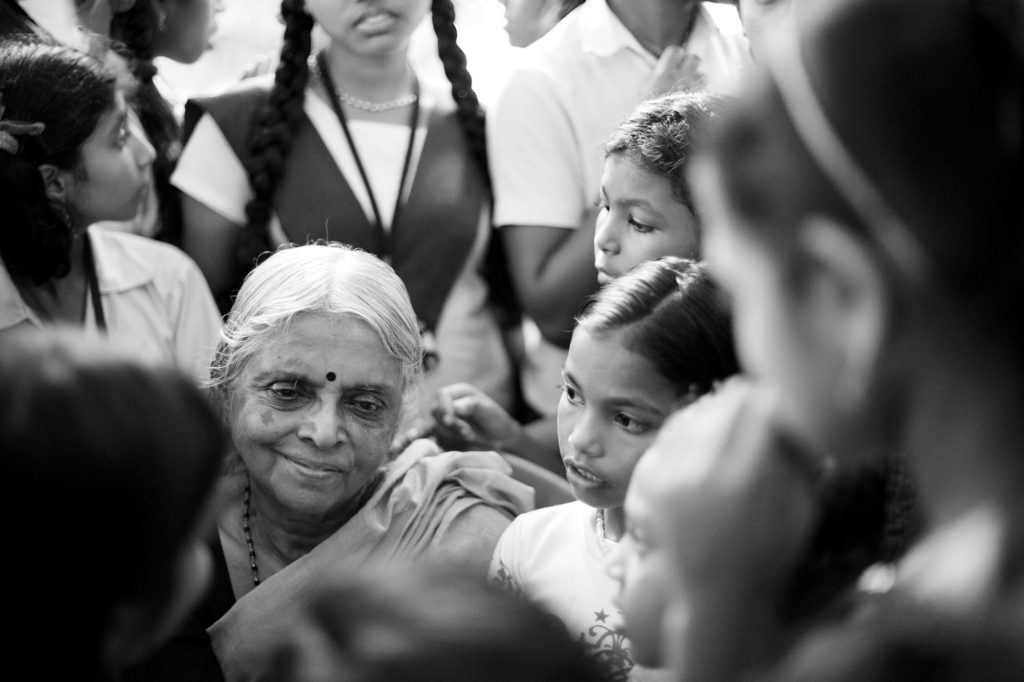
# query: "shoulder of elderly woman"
{"points": [[472, 537], [490, 499]]}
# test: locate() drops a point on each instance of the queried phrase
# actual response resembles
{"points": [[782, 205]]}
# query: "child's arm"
{"points": [[466, 417]]}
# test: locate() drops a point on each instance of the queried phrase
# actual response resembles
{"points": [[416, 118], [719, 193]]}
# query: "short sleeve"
{"points": [[210, 172], [504, 570], [534, 163]]}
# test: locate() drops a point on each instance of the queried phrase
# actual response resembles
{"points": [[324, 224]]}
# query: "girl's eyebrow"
{"points": [[641, 203], [636, 403]]}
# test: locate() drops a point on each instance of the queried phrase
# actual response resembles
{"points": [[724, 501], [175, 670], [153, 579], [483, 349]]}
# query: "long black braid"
{"points": [[453, 59], [271, 138], [134, 29], [501, 290]]}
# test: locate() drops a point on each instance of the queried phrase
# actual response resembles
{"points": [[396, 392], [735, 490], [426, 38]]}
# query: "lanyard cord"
{"points": [[94, 285], [339, 112]]}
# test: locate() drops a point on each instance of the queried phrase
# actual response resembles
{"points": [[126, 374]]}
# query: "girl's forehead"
{"points": [[605, 367]]}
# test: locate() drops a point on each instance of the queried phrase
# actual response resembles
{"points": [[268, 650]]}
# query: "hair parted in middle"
{"points": [[675, 315], [322, 278]]}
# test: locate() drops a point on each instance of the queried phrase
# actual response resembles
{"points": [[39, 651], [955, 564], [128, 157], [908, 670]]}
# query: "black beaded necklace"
{"points": [[248, 536]]}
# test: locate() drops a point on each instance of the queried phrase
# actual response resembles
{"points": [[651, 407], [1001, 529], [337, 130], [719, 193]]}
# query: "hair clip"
{"points": [[8, 130]]}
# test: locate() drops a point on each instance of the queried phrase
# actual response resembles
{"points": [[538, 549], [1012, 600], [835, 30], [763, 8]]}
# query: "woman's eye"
{"points": [[642, 228], [285, 391], [367, 407]]}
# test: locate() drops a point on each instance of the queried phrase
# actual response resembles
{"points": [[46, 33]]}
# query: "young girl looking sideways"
{"points": [[646, 210], [648, 343], [71, 156]]}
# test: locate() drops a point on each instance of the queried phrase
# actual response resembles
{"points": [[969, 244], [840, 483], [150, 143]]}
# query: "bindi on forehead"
{"points": [[331, 376]]}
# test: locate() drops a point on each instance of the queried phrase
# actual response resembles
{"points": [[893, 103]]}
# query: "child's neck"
{"points": [[657, 24]]}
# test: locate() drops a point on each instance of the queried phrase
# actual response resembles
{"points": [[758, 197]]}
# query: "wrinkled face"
{"points": [[643, 566], [110, 180], [612, 404], [188, 29], [367, 27], [313, 412], [639, 220]]}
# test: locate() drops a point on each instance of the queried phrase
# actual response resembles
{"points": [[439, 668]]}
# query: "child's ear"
{"points": [[846, 287], [55, 181]]}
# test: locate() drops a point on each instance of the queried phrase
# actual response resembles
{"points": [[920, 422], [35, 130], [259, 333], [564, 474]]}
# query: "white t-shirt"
{"points": [[547, 129], [552, 556]]}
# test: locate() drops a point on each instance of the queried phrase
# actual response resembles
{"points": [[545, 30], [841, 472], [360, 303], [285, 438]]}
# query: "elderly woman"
{"points": [[320, 356]]}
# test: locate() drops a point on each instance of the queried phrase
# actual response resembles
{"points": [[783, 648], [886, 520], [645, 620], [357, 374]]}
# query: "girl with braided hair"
{"points": [[351, 144]]}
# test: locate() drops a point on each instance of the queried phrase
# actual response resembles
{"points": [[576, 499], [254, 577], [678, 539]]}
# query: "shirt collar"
{"points": [[603, 34], [13, 310], [118, 268]]}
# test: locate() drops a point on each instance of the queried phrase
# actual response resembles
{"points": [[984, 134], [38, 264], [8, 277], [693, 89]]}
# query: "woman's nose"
{"points": [[143, 150], [323, 426]]}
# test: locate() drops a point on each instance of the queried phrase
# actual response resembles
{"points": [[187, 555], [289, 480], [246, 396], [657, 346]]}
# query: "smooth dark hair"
{"points": [[135, 28], [67, 91], [110, 464], [659, 136], [675, 315], [425, 624], [275, 124]]}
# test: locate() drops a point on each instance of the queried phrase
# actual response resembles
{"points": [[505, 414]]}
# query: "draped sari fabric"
{"points": [[430, 504]]}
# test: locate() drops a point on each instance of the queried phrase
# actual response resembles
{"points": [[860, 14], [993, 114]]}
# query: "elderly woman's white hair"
{"points": [[324, 278]]}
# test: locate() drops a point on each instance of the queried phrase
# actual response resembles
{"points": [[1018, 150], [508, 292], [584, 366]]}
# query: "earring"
{"points": [[161, 18]]}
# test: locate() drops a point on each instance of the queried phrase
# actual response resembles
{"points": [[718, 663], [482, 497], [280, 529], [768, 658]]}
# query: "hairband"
{"points": [[9, 128], [788, 70]]}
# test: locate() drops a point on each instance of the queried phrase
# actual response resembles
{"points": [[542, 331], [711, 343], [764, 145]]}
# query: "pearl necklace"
{"points": [[376, 107], [365, 104], [248, 537], [602, 538]]}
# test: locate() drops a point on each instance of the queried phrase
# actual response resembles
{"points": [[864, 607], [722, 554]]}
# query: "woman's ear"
{"points": [[55, 181], [848, 290]]}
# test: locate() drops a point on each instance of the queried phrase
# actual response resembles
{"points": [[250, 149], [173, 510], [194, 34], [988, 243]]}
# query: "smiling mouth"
{"points": [[315, 468]]}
